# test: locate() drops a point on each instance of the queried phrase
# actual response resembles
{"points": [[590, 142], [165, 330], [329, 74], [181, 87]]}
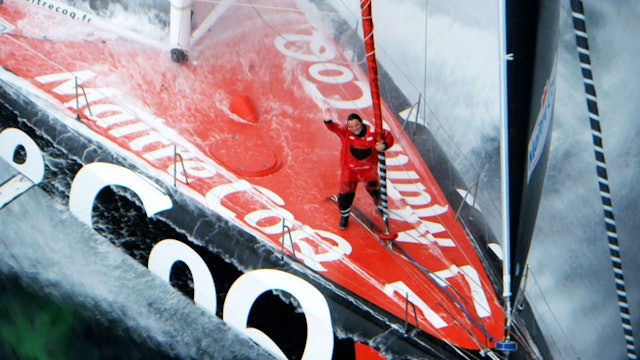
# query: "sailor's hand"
{"points": [[381, 146], [327, 114]]}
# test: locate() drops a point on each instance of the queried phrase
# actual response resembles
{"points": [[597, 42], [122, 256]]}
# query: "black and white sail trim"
{"points": [[582, 42]]}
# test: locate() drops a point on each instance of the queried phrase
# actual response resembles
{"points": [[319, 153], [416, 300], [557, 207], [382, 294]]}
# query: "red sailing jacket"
{"points": [[358, 156]]}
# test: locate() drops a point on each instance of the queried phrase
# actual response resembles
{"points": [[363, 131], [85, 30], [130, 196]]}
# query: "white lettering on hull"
{"points": [[404, 184], [33, 166], [405, 292], [30, 171], [165, 254], [240, 298], [122, 123], [315, 246], [309, 241], [93, 177], [250, 285]]}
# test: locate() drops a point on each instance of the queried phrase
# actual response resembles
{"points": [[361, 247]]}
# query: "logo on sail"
{"points": [[542, 127]]}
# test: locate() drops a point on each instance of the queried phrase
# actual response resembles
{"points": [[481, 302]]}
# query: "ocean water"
{"points": [[68, 293]]}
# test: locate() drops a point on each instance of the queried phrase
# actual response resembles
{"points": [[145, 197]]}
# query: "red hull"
{"points": [[245, 113]]}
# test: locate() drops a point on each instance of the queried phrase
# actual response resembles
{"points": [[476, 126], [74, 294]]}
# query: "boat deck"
{"points": [[245, 114]]}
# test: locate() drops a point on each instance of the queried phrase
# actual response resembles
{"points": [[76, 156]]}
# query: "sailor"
{"points": [[358, 161]]}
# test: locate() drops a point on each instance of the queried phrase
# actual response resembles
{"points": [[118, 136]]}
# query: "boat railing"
{"points": [[411, 120], [474, 187], [408, 304], [413, 112], [84, 94], [471, 171], [287, 229], [177, 156]]}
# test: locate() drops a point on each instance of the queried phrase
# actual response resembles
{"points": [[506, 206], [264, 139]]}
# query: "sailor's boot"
{"points": [[344, 204], [344, 220]]}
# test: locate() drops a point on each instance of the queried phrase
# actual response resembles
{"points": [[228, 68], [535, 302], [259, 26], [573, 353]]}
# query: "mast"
{"points": [[372, 66], [528, 84], [504, 168], [180, 29]]}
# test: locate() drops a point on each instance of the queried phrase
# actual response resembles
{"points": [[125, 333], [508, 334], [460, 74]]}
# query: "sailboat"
{"points": [[195, 142]]}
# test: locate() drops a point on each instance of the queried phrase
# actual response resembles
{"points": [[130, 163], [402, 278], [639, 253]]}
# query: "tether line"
{"points": [[582, 42]]}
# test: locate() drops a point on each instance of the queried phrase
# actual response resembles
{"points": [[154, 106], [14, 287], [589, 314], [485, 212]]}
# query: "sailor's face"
{"points": [[355, 126]]}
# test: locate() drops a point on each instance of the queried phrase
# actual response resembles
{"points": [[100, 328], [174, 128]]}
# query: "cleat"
{"points": [[344, 222]]}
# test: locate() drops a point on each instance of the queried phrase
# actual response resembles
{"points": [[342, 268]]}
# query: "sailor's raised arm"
{"points": [[327, 115]]}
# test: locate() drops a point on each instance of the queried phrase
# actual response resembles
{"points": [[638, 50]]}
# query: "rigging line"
{"points": [[518, 328], [340, 86], [272, 7], [520, 293], [427, 108], [582, 43], [36, 53], [435, 119], [553, 315], [428, 236], [368, 32], [256, 8], [436, 279], [435, 249], [390, 58], [518, 334], [246, 67], [465, 325], [426, 55], [454, 150]]}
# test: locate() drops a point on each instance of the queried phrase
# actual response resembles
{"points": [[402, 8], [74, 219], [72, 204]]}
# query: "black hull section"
{"points": [[228, 251]]}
